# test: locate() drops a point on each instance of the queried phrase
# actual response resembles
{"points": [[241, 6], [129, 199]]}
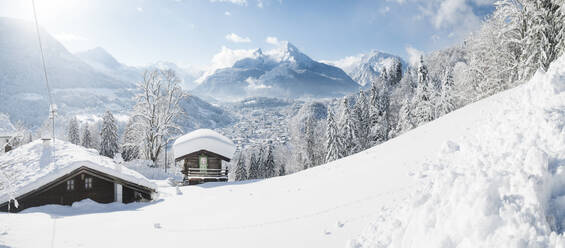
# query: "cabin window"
{"points": [[88, 183], [203, 162], [70, 185]]}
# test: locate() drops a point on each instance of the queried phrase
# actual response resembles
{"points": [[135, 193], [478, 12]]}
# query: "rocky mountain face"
{"points": [[285, 72]]}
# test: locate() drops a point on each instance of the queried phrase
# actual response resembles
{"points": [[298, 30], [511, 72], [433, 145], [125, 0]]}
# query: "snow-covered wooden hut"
{"points": [[200, 154], [35, 174]]}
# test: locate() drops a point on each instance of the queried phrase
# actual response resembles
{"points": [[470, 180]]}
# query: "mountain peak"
{"points": [[287, 52]]}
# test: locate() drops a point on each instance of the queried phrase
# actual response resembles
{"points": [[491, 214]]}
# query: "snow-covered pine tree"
{"points": [[395, 72], [423, 76], [130, 143], [544, 37], [269, 162], [73, 133], [86, 140], [422, 101], [347, 131], [241, 168], [282, 170], [361, 119], [309, 143], [109, 136], [446, 99], [405, 117], [95, 135], [254, 164], [332, 138]]}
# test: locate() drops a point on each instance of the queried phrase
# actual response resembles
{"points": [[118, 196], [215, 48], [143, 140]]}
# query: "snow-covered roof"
{"points": [[6, 127], [30, 167], [203, 139]]}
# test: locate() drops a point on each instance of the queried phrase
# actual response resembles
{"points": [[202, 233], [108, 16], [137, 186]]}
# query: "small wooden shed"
{"points": [[200, 154], [38, 175]]}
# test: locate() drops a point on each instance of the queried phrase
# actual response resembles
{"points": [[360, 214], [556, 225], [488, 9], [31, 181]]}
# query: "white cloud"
{"points": [[226, 58], [254, 85], [66, 37], [237, 39], [227, 13], [273, 40], [398, 1], [260, 3], [238, 2], [346, 64], [384, 10], [413, 55], [139, 9], [435, 38]]}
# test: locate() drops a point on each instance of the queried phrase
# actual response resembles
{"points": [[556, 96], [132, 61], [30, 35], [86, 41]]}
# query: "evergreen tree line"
{"points": [[106, 141], [257, 163], [519, 38]]}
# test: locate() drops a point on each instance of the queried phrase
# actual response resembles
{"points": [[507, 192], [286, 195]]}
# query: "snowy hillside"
{"points": [[366, 68], [282, 72], [85, 84], [487, 175], [22, 86], [104, 62]]}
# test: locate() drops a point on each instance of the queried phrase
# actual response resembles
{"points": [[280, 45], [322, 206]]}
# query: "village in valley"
{"points": [[199, 123]]}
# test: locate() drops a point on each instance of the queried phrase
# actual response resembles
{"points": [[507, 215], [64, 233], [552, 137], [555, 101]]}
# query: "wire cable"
{"points": [[51, 105]]}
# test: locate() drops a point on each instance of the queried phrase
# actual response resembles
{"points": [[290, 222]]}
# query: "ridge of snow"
{"points": [[502, 186], [31, 166], [203, 139]]}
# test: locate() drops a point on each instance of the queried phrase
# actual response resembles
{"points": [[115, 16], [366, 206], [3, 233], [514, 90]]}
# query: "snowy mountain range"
{"points": [[284, 72], [366, 68], [85, 84]]}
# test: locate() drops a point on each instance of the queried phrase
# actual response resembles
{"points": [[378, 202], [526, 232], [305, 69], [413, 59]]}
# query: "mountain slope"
{"points": [[104, 62], [284, 72], [491, 176], [23, 92], [86, 84]]}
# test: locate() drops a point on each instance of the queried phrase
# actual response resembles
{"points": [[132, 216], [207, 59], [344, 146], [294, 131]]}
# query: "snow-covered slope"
{"points": [[104, 62], [23, 93], [283, 72], [492, 176], [366, 68], [501, 186]]}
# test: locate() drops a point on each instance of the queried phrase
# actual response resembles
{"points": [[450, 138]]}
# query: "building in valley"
{"points": [[201, 155], [35, 174]]}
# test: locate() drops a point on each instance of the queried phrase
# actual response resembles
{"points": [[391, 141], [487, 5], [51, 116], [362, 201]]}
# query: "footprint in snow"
{"points": [[340, 224], [326, 232], [157, 225]]}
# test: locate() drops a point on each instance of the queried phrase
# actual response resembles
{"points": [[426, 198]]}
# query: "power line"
{"points": [[51, 105]]}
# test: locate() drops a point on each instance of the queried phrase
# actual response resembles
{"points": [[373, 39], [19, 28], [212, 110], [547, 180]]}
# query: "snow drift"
{"points": [[504, 186]]}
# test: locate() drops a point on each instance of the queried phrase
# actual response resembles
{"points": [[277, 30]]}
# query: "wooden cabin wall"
{"points": [[191, 161], [102, 191]]}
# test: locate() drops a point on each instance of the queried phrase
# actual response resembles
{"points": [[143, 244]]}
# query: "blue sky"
{"points": [[191, 32]]}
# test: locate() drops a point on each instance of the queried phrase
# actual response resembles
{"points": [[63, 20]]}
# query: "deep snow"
{"points": [[35, 164], [487, 175]]}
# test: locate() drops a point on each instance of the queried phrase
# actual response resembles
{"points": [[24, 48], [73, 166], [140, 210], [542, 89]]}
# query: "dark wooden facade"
{"points": [[86, 183], [194, 173]]}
